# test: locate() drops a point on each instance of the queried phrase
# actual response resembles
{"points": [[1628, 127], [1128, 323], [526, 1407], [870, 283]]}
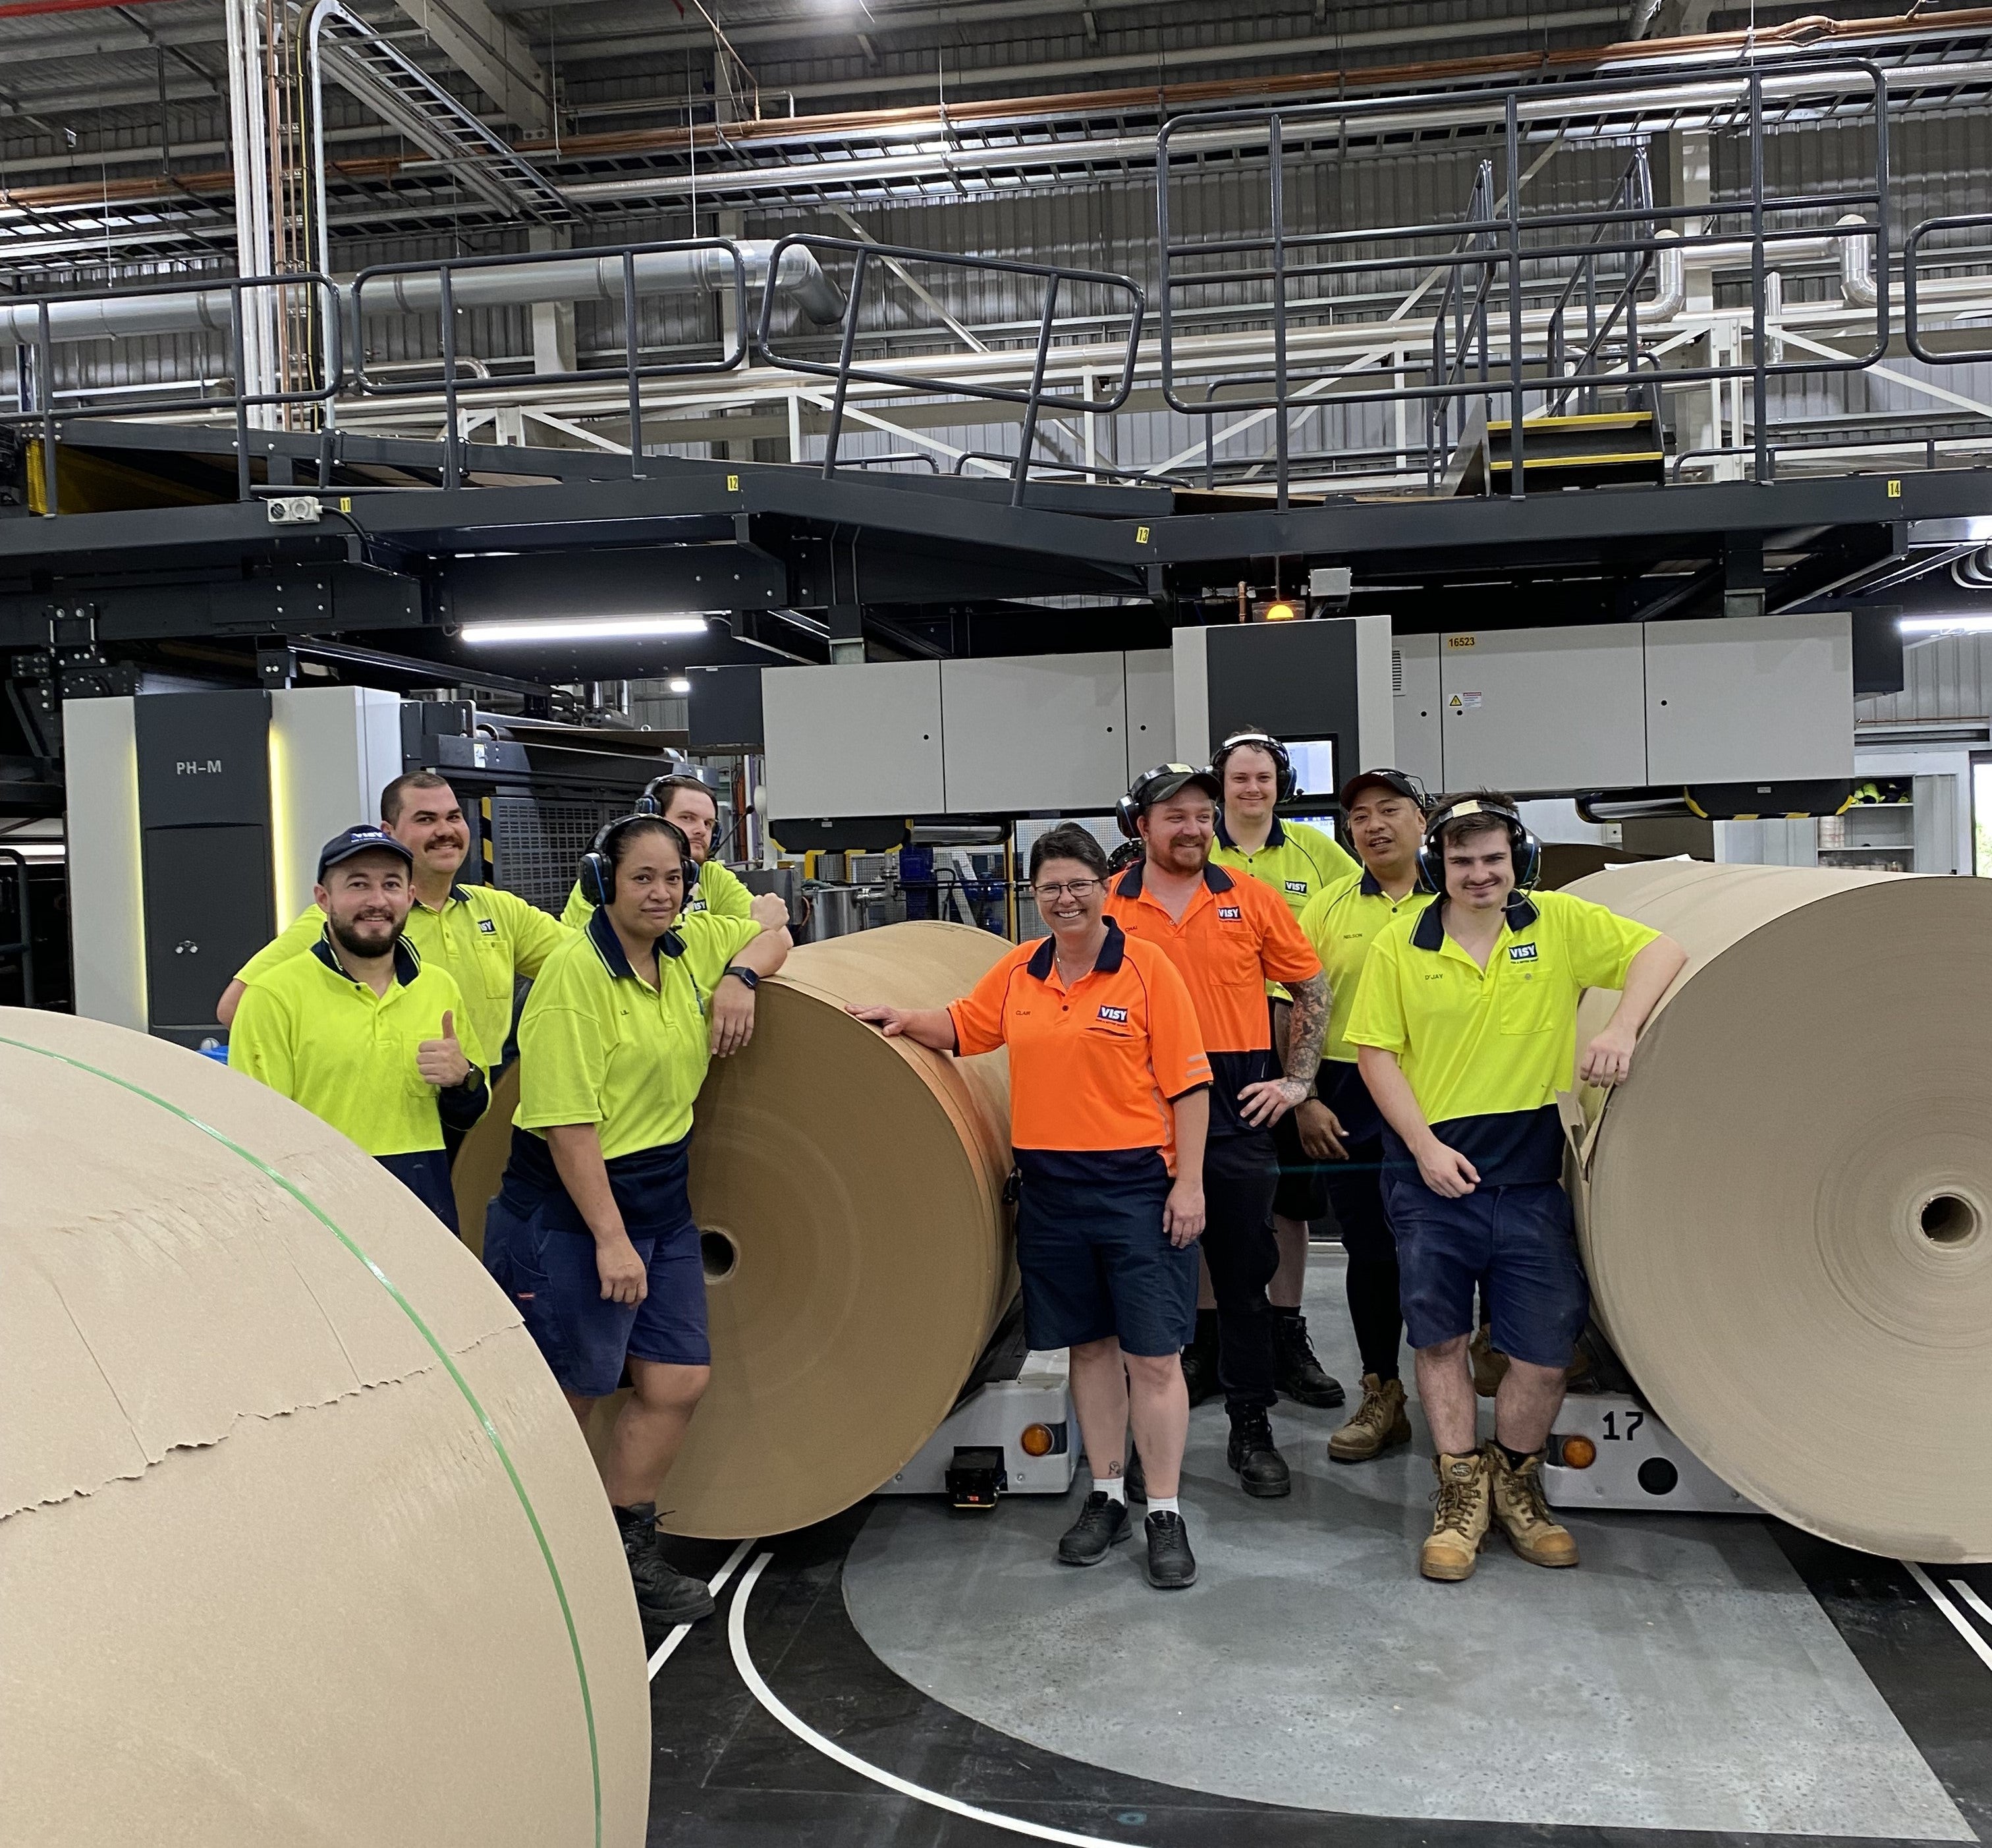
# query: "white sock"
{"points": [[1163, 1505], [1114, 1488]]}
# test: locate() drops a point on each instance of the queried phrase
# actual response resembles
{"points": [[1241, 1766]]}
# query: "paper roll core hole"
{"points": [[719, 1254], [1948, 1220]]}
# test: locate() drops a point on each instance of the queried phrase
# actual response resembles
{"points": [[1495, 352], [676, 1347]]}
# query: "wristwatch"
{"points": [[746, 975]]}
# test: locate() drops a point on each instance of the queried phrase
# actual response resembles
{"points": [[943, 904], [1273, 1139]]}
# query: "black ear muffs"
{"points": [[597, 877], [1124, 813], [1526, 850], [1283, 765]]}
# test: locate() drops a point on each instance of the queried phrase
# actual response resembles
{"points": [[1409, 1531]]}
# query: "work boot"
{"points": [[1459, 1523], [1262, 1471], [665, 1597], [1521, 1513], [1199, 1359], [1136, 1477], [1301, 1377], [1103, 1522], [1380, 1421], [1171, 1566], [1490, 1365]]}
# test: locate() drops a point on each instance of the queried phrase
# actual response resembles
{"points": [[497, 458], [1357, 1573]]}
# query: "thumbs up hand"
{"points": [[441, 1062]]}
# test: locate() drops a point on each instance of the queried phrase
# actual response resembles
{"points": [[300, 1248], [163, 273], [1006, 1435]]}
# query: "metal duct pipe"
{"points": [[1857, 267], [579, 278], [1973, 571]]}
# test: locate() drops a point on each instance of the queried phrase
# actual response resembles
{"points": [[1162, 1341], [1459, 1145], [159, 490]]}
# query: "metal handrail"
{"points": [[1638, 230], [1911, 252], [634, 370], [1034, 398], [51, 416], [22, 951], [962, 461]]}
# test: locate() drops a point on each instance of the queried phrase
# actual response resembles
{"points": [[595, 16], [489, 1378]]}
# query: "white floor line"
{"points": [[715, 1585], [1958, 1621], [736, 1631], [1972, 1599]]}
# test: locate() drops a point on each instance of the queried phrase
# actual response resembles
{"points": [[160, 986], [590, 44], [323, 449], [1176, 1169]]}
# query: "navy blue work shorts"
{"points": [[539, 1249], [1095, 1259], [425, 1173], [1518, 1244]]}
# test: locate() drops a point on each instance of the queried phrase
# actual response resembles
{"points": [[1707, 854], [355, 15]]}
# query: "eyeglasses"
{"points": [[1077, 888]]}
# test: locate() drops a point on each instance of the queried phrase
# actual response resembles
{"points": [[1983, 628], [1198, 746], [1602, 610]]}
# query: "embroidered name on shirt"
{"points": [[489, 926], [1521, 952], [1229, 911], [1114, 1013]]}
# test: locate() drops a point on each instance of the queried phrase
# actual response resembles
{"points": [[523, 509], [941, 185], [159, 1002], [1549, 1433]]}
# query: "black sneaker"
{"points": [[665, 1597], [1137, 1477], [1262, 1471], [1302, 1377], [1172, 1565], [1103, 1522]]}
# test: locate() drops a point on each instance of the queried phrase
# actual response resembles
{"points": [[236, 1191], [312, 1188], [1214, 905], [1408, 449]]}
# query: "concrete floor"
{"points": [[1682, 1677]]}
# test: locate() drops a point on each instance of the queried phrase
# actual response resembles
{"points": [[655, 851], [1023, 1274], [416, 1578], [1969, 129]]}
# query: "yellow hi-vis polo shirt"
{"points": [[308, 1030], [717, 888], [598, 1044], [483, 938], [1298, 861], [1486, 1051], [1341, 922]]}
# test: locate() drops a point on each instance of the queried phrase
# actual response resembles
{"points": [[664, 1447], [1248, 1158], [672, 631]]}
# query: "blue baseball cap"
{"points": [[365, 839]]}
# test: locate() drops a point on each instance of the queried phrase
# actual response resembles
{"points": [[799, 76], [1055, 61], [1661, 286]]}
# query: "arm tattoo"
{"points": [[1310, 1020]]}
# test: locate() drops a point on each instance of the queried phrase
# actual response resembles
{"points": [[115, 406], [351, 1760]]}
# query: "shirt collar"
{"points": [[1214, 879], [1112, 953], [1368, 885], [1429, 932], [1276, 836], [407, 960], [608, 946]]}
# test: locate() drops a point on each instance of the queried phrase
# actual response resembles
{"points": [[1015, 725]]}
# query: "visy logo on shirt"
{"points": [[1114, 1013], [1297, 884], [489, 926], [1229, 911], [1521, 952]]}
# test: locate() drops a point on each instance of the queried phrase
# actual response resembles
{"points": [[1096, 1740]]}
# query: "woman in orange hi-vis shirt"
{"points": [[1110, 1100]]}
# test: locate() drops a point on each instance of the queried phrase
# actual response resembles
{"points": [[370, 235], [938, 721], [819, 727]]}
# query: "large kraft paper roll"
{"points": [[1786, 1211], [858, 1250], [268, 1574]]}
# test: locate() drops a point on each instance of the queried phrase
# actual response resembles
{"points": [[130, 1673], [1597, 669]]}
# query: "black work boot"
{"points": [[1136, 1477], [1103, 1522], [665, 1597], [1302, 1377], [1262, 1471], [1199, 1359], [1171, 1566]]}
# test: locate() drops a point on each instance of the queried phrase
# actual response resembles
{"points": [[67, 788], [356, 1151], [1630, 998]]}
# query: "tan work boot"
{"points": [[1379, 1421], [1521, 1513], [1490, 1365], [1459, 1525]]}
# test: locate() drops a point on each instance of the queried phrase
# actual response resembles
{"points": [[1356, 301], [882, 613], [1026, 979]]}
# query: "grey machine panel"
{"points": [[1417, 733], [1766, 697], [1548, 709], [1034, 733], [1151, 709], [204, 805], [861, 739]]}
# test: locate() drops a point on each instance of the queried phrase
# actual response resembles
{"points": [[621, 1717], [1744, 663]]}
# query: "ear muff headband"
{"points": [[1128, 809], [1283, 765], [597, 864], [1526, 850]]}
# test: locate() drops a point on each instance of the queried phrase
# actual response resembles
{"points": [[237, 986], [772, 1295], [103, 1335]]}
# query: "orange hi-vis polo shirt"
{"points": [[1235, 935], [1094, 1067]]}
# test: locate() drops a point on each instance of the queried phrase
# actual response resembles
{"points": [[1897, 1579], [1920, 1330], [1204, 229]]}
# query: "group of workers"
{"points": [[1234, 1026]]}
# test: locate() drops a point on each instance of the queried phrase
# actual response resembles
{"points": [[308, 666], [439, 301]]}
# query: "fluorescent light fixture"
{"points": [[1946, 625], [678, 684], [585, 629]]}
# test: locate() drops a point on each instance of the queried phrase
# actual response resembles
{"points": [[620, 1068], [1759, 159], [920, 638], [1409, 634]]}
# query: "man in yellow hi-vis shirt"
{"points": [[1465, 1024], [484, 938], [360, 1032]]}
